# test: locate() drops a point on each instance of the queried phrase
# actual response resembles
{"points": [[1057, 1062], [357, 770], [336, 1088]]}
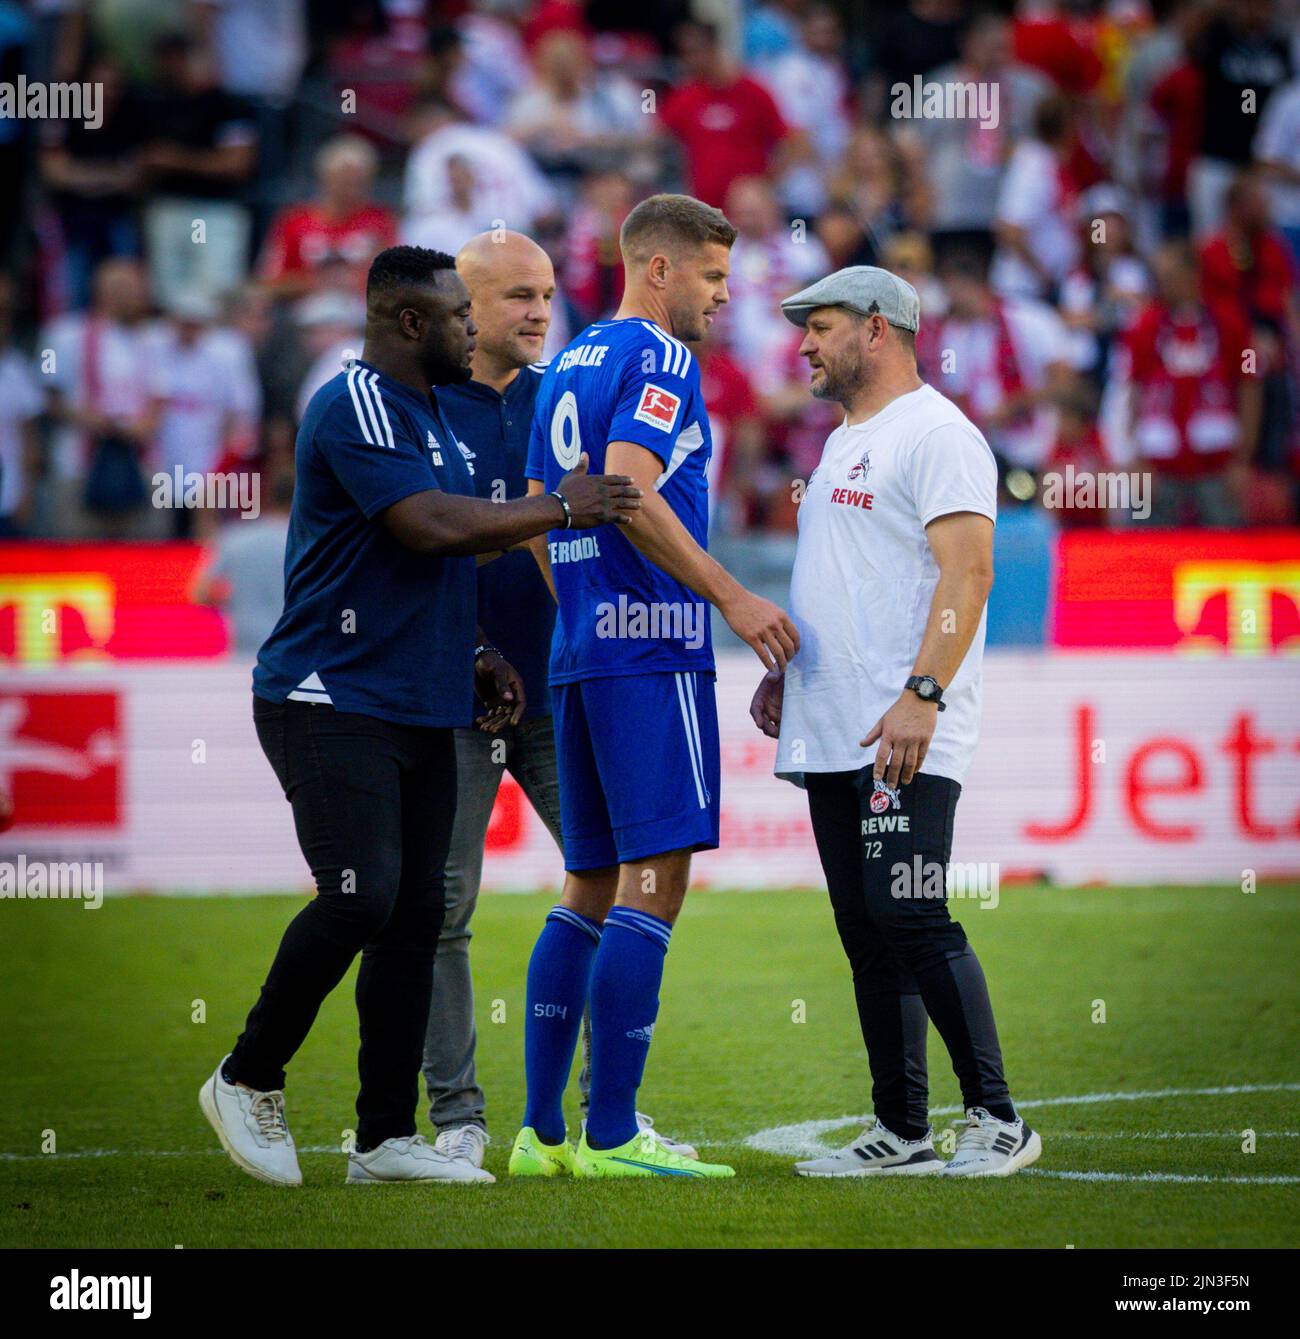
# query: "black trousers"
{"points": [[910, 960], [373, 804]]}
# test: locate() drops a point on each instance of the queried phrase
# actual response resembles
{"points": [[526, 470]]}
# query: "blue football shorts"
{"points": [[639, 766]]}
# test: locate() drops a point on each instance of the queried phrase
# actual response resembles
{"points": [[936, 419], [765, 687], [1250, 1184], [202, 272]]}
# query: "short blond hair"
{"points": [[670, 224], [351, 149]]}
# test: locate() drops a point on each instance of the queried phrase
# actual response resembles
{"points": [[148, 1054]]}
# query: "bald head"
{"points": [[511, 282], [121, 289]]}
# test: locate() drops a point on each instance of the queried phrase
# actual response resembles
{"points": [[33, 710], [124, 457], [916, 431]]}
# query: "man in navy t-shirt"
{"points": [[356, 693]]}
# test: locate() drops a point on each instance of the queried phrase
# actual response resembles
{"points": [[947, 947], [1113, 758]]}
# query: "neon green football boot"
{"points": [[531, 1157], [642, 1155]]}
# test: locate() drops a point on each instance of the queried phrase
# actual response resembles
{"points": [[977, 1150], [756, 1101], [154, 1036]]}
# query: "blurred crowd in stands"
{"points": [[1107, 265]]}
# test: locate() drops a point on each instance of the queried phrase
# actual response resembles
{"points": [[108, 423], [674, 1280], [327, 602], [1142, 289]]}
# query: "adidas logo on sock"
{"points": [[642, 1033]]}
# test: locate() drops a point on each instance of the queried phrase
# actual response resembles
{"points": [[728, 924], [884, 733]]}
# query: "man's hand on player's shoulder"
{"points": [[762, 625], [597, 499], [765, 709]]}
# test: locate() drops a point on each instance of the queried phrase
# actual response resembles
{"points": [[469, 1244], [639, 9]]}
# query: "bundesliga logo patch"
{"points": [[883, 798], [658, 407]]}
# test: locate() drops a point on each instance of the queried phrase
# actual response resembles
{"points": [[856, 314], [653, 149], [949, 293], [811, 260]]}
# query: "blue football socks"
{"points": [[625, 982], [559, 973]]}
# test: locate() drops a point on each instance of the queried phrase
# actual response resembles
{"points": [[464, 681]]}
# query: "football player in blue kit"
{"points": [[632, 686]]}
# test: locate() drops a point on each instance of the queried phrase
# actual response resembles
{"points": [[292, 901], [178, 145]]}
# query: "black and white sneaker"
{"points": [[991, 1147], [877, 1151]]}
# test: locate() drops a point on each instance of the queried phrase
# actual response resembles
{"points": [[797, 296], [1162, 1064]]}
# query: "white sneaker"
{"points": [[252, 1129], [646, 1125], [463, 1143], [411, 1159], [877, 1151], [991, 1147]]}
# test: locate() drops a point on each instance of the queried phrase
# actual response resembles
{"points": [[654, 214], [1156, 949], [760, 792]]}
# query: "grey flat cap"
{"points": [[865, 289]]}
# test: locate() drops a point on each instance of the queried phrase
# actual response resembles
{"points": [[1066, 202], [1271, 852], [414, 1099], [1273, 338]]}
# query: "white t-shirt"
{"points": [[261, 47], [21, 400], [507, 183], [864, 578], [1278, 141], [128, 377], [1031, 198], [1039, 339], [209, 393], [763, 271]]}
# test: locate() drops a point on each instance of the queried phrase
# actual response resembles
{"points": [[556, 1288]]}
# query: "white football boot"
{"points": [[463, 1143], [646, 1125], [877, 1151], [411, 1159], [252, 1129], [991, 1147]]}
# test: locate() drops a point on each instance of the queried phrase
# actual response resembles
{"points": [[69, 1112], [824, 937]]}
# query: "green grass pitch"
{"points": [[757, 1030]]}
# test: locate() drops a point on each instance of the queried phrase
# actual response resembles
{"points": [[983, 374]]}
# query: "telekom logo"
{"points": [[1250, 589], [38, 603]]}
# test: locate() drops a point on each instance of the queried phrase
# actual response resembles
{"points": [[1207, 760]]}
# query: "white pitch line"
{"points": [[142, 1153], [1174, 1134], [801, 1140], [1233, 1135], [1176, 1178]]}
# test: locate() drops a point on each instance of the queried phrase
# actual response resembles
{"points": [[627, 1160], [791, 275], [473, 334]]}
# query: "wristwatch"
{"points": [[927, 689]]}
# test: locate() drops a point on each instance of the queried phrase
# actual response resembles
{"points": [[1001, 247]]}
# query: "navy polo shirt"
{"points": [[369, 625], [515, 608]]}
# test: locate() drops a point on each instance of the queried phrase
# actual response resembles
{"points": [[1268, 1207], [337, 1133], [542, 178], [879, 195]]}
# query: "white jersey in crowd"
{"points": [[864, 578]]}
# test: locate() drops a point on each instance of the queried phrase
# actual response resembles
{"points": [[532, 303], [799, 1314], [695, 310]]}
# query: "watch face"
{"points": [[925, 687]]}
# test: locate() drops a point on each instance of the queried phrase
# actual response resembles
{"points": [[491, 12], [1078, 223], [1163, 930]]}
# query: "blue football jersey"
{"points": [[370, 626], [624, 381]]}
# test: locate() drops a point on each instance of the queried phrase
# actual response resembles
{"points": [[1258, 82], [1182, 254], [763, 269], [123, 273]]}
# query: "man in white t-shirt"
{"points": [[878, 714], [1036, 225], [1277, 147], [1000, 359]]}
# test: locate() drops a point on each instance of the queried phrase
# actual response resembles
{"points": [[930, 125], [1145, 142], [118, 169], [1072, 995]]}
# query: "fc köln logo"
{"points": [[860, 470], [883, 797]]}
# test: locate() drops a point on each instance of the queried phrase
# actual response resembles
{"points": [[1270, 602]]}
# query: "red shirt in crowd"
{"points": [[1248, 282], [593, 265], [729, 398], [304, 240], [727, 130], [1065, 49], [1086, 454], [1187, 373], [1179, 101]]}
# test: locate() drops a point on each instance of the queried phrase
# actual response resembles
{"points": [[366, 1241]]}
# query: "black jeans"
{"points": [[909, 958], [373, 804]]}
